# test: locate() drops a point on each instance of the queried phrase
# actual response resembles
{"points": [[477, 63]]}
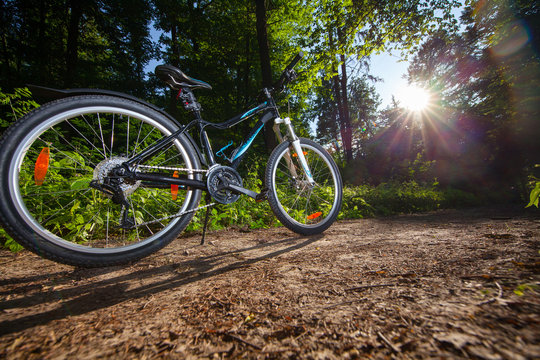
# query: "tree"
{"points": [[85, 43], [360, 28], [487, 88], [266, 68]]}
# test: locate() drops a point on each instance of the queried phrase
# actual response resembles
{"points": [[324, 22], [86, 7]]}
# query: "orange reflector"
{"points": [[314, 215], [42, 165], [174, 188], [296, 155]]}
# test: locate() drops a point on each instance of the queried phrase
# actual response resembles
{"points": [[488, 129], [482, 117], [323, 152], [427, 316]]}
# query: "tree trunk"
{"points": [[175, 58], [247, 64], [336, 86], [72, 46], [264, 54], [346, 121], [42, 43], [175, 61], [6, 71]]}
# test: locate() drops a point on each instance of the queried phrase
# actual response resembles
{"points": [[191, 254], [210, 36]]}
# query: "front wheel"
{"points": [[304, 207]]}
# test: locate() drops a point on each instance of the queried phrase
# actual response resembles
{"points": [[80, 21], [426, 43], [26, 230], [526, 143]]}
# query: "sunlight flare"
{"points": [[414, 98]]}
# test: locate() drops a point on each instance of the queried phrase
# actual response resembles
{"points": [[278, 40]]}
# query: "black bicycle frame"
{"points": [[270, 112]]}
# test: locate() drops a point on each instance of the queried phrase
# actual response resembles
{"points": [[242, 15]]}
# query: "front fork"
{"points": [[297, 148]]}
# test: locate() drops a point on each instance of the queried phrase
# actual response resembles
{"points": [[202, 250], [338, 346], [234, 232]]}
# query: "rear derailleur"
{"points": [[111, 187]]}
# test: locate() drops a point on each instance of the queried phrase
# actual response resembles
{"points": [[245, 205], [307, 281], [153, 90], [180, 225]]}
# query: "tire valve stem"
{"points": [[41, 167]]}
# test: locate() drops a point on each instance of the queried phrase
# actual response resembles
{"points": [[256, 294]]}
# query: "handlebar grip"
{"points": [[284, 76], [295, 61]]}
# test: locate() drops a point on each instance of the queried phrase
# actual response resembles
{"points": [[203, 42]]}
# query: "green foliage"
{"points": [[535, 193], [8, 242], [400, 198], [15, 106], [521, 289], [534, 196]]}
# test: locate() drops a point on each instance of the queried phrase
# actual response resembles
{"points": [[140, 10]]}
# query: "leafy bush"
{"points": [[535, 192], [399, 198], [15, 106]]}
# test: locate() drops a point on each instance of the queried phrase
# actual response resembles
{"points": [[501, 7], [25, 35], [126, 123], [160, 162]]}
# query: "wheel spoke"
{"points": [[66, 155], [85, 138], [127, 134], [91, 127], [77, 207], [303, 204], [101, 133], [112, 135]]}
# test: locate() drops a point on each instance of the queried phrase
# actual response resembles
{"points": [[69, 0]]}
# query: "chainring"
{"points": [[218, 178]]}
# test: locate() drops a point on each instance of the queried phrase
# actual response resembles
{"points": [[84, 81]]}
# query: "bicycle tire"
{"points": [[65, 220], [303, 208]]}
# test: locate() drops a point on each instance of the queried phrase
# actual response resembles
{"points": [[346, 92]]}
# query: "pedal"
{"points": [[262, 196]]}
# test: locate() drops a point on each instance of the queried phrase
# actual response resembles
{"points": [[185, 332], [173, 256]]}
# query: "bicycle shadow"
{"points": [[92, 296]]}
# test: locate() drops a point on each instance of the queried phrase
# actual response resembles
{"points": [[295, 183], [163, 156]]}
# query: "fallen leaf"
{"points": [[458, 340]]}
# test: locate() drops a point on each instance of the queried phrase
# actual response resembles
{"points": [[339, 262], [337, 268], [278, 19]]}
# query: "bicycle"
{"points": [[100, 178]]}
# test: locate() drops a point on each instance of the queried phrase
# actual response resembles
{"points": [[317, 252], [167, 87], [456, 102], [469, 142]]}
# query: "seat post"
{"points": [[189, 101]]}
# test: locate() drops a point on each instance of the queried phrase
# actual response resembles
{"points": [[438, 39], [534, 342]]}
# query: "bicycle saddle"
{"points": [[176, 79]]}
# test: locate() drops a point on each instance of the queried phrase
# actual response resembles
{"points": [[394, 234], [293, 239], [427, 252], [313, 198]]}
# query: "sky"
{"points": [[389, 68]]}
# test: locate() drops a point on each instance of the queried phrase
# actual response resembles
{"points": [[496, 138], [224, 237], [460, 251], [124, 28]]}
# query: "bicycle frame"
{"points": [[267, 106], [270, 112]]}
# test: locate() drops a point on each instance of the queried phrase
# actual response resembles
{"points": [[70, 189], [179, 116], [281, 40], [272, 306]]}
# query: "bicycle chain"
{"points": [[190, 171], [175, 215]]}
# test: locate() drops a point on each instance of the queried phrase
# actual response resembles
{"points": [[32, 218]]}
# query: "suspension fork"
{"points": [[297, 148]]}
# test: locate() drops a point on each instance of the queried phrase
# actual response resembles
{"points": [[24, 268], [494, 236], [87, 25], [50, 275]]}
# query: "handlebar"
{"points": [[295, 61], [288, 73]]}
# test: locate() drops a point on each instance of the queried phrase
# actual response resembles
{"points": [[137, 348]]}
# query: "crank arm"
{"points": [[241, 190]]}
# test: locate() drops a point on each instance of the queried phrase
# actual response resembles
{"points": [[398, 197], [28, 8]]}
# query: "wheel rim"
{"points": [[304, 204], [64, 209]]}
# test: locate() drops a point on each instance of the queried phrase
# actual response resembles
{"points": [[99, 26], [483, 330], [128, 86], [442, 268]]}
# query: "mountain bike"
{"points": [[99, 178]]}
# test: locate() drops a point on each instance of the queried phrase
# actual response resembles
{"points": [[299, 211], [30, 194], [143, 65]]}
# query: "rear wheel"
{"points": [[303, 207], [51, 161]]}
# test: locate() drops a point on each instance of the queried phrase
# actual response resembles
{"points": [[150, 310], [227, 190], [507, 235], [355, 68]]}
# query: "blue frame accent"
{"points": [[250, 112], [220, 152], [247, 144]]}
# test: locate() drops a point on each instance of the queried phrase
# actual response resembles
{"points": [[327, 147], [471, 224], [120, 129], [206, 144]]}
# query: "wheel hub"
{"points": [[103, 170], [302, 185]]}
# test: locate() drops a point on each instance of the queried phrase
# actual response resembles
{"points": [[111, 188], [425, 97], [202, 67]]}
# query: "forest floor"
{"points": [[445, 284]]}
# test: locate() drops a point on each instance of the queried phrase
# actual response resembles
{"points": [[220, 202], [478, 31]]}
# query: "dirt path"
{"points": [[441, 284]]}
